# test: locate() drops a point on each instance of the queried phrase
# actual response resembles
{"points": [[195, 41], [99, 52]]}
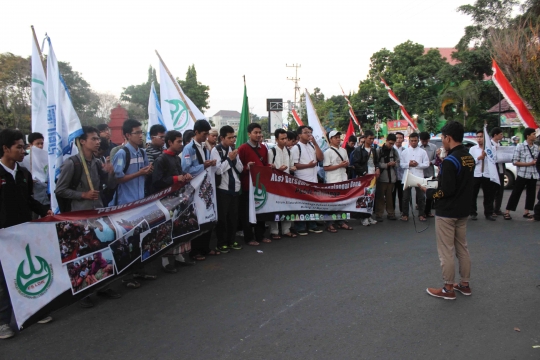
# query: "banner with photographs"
{"points": [[278, 196], [70, 253]]}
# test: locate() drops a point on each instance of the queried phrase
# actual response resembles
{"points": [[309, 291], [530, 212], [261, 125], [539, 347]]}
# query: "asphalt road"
{"points": [[353, 295]]}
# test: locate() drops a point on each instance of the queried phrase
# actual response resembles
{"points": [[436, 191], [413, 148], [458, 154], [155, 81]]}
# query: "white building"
{"points": [[226, 117]]}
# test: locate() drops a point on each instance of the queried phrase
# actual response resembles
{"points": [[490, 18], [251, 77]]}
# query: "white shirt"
{"points": [[500, 167], [223, 170], [332, 158], [475, 152], [282, 158], [308, 155], [417, 154], [12, 172]]}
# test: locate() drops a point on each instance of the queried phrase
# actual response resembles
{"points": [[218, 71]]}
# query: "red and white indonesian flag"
{"points": [[313, 120], [350, 131], [297, 118], [491, 154], [351, 111], [512, 97], [404, 112]]}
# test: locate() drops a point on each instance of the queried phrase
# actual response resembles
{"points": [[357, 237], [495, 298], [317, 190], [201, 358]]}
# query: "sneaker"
{"points": [[379, 219], [372, 221], [474, 217], [491, 218], [86, 303], [169, 268], [223, 249], [498, 213], [46, 319], [236, 246], [442, 293], [365, 222], [109, 294], [315, 230], [302, 232], [6, 332], [465, 290]]}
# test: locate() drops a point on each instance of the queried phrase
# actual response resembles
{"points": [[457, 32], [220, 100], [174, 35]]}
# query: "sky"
{"points": [[113, 42]]}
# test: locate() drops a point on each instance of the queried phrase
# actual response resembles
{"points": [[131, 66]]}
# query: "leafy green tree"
{"points": [[197, 92], [15, 92], [138, 94]]}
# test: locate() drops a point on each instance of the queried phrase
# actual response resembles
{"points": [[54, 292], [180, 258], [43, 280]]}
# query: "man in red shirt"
{"points": [[251, 153]]}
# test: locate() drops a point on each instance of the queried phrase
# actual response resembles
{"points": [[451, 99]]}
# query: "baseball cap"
{"points": [[333, 133]]}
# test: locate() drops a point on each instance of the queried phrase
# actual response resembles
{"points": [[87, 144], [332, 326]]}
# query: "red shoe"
{"points": [[465, 290], [442, 293]]}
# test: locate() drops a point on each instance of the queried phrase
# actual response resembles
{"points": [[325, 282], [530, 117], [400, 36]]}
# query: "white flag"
{"points": [[37, 162], [313, 121], [492, 158], [63, 123], [155, 117], [39, 95]]}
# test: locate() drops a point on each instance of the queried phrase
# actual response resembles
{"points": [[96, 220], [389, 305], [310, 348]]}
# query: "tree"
{"points": [[460, 96], [139, 94], [197, 92], [107, 102], [15, 92]]}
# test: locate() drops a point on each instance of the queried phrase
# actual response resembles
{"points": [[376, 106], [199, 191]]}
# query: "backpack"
{"points": [[275, 152]]}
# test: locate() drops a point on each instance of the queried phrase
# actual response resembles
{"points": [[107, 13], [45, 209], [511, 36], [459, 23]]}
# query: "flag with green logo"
{"points": [[244, 120]]}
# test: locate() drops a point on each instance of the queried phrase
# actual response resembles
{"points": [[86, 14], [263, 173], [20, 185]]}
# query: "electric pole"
{"points": [[295, 79]]}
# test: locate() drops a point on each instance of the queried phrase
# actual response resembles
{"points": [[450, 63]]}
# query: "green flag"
{"points": [[244, 121]]}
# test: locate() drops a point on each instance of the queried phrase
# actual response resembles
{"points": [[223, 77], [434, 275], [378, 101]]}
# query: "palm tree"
{"points": [[462, 95]]}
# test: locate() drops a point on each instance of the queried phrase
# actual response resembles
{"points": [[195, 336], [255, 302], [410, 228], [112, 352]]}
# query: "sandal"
{"points": [[266, 241], [253, 243], [422, 218], [290, 235], [131, 283], [345, 227], [404, 218], [275, 236], [528, 216], [198, 258], [430, 215], [507, 217], [331, 229], [214, 253], [144, 276]]}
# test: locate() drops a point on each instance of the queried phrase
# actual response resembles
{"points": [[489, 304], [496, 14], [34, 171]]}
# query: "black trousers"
{"points": [[488, 188], [537, 208], [519, 185], [227, 206], [499, 194], [398, 188], [5, 301], [201, 244], [247, 227]]}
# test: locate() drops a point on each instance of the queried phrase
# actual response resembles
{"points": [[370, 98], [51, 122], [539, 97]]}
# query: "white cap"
{"points": [[333, 133]]}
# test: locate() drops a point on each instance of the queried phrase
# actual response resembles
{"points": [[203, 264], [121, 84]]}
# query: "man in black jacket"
{"points": [[453, 202], [16, 207], [365, 161], [167, 172]]}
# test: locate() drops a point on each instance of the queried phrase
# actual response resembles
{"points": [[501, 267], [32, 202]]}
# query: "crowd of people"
{"points": [[120, 174]]}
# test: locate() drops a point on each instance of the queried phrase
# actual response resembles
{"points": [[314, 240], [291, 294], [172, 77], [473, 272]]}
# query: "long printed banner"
{"points": [[70, 253], [278, 196]]}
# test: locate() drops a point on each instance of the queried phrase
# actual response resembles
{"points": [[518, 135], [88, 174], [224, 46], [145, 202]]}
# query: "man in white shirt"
{"points": [[335, 164], [279, 158], [496, 137], [482, 179], [398, 188], [229, 168], [415, 160], [305, 155]]}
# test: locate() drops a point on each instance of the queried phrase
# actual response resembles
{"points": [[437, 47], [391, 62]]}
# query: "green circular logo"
{"points": [[260, 195], [32, 281], [180, 114]]}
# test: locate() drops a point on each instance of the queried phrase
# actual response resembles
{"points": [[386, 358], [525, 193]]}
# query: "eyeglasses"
{"points": [[138, 133], [160, 137]]}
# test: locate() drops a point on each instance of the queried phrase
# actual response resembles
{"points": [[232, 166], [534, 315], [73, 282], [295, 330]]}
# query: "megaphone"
{"points": [[410, 180]]}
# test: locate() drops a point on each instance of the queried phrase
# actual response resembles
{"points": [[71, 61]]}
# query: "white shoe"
{"points": [[365, 222], [6, 332], [372, 221]]}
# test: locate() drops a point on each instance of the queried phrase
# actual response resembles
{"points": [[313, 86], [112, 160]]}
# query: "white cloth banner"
{"points": [[313, 120], [155, 117], [39, 95], [63, 123], [32, 267], [40, 164], [492, 158]]}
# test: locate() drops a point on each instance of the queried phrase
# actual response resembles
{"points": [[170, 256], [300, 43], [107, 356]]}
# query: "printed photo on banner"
{"points": [[127, 249], [182, 197], [78, 238], [156, 239], [90, 270], [185, 222], [365, 202], [206, 193], [152, 213]]}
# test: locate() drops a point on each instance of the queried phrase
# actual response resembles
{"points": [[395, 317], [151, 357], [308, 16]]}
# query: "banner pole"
{"points": [[39, 50], [177, 87], [83, 161]]}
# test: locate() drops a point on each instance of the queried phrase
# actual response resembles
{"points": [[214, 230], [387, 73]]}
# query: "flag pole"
{"points": [[83, 161], [177, 87], [39, 50]]}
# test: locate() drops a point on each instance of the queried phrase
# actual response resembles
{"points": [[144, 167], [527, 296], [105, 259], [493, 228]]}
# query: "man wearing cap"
{"points": [[211, 140], [335, 164], [515, 141]]}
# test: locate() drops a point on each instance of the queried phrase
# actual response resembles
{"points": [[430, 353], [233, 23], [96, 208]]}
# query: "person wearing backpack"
{"points": [[229, 168], [16, 207], [74, 193], [279, 157]]}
